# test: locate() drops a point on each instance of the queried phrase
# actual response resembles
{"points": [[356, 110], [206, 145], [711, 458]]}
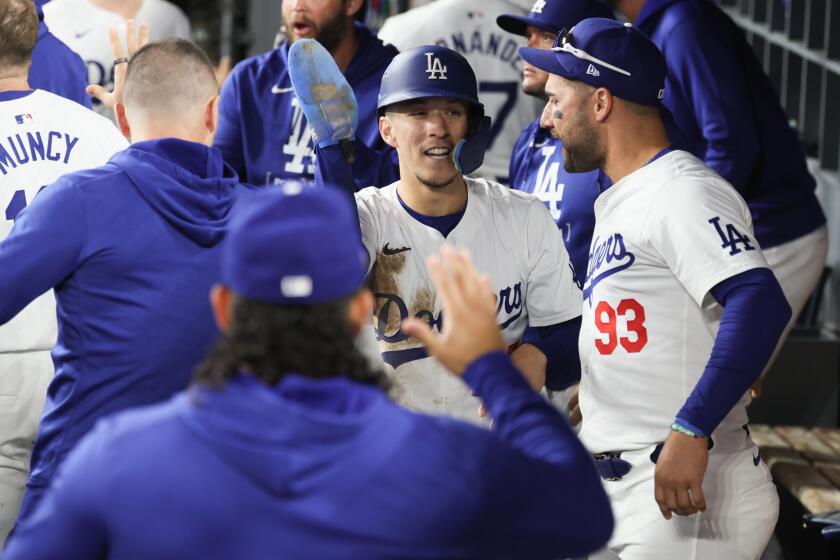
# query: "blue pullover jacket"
{"points": [[262, 131], [730, 116], [56, 68], [324, 469], [132, 249]]}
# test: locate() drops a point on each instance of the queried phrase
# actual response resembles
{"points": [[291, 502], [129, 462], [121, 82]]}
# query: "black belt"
{"points": [[612, 467]]}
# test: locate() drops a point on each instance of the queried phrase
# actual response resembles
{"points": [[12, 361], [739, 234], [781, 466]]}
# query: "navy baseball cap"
{"points": [[554, 15], [297, 244], [605, 53]]}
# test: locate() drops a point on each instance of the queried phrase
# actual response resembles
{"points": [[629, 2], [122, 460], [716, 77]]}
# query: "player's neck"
{"points": [[14, 81], [433, 202], [346, 49], [630, 148], [125, 8]]}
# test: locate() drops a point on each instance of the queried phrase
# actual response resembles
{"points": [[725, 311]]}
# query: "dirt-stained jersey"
{"points": [[664, 236], [510, 237], [83, 27], [469, 27], [44, 137]]}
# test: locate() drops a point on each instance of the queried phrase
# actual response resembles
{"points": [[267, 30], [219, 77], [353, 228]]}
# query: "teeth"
{"points": [[437, 151]]}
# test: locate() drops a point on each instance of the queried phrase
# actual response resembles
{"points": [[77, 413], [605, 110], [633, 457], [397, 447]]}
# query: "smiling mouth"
{"points": [[438, 153]]}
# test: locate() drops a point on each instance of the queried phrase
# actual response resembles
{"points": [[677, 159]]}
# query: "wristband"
{"points": [[683, 430]]}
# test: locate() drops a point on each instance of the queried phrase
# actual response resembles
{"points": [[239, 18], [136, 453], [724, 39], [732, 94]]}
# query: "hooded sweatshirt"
{"points": [[131, 249], [262, 131], [324, 469], [56, 68], [726, 107]]}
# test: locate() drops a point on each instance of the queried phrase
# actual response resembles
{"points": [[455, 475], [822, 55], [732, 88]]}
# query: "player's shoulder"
{"points": [[377, 198], [500, 195], [683, 180], [265, 65]]}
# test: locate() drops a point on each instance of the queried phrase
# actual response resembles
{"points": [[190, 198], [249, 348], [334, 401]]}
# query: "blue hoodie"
{"points": [[726, 107], [262, 131], [56, 68], [324, 469], [132, 249]]}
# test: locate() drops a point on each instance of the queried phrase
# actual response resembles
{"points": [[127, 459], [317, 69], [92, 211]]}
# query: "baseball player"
{"points": [[723, 101], [263, 133], [536, 165], [268, 460], [681, 311], [45, 136], [430, 114], [56, 68], [466, 26], [83, 25], [130, 248]]}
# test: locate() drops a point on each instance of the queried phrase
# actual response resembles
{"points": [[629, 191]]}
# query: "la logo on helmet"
{"points": [[435, 70], [539, 6]]}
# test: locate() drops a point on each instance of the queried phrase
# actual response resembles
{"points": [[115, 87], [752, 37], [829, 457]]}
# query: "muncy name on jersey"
{"points": [[20, 149]]}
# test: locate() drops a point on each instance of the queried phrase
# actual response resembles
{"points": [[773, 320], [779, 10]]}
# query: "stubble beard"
{"points": [[436, 185], [330, 34], [582, 149]]}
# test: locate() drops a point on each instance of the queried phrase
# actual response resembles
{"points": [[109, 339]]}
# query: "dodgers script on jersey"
{"points": [[84, 27], [469, 27], [510, 237], [664, 236], [34, 152]]}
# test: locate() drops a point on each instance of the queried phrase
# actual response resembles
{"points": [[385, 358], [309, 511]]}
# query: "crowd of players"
{"points": [[642, 232]]}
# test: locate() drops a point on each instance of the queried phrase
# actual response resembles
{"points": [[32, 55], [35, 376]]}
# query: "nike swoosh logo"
{"points": [[277, 89], [83, 33], [388, 252], [757, 459]]}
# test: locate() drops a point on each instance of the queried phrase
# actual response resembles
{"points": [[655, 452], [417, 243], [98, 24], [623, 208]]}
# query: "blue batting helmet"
{"points": [[435, 71]]}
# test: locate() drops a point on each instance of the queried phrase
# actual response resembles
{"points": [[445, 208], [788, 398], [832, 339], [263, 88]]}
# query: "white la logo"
{"points": [[434, 67], [539, 5], [592, 71]]}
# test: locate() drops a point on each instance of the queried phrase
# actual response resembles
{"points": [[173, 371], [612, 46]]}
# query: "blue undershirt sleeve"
{"points": [[377, 168], [544, 474], [755, 314], [229, 135], [44, 246], [559, 343]]}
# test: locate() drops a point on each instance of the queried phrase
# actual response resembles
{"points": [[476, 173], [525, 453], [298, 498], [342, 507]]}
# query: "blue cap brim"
{"points": [[549, 61], [518, 24]]}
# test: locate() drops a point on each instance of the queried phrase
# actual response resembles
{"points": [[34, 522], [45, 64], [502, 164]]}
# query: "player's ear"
{"points": [[211, 114], [122, 121], [353, 6], [359, 310], [603, 105], [221, 300], [387, 131]]}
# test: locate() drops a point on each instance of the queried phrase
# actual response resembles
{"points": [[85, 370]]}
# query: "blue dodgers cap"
{"points": [[605, 53], [554, 15], [294, 245]]}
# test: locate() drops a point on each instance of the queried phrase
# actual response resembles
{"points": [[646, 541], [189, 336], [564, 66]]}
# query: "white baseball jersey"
{"points": [[664, 236], [84, 27], [469, 27], [44, 137], [510, 237]]}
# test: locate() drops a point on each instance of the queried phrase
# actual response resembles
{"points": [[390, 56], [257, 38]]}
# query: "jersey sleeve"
{"points": [[368, 224], [552, 296], [112, 141], [229, 131], [703, 230], [44, 247]]}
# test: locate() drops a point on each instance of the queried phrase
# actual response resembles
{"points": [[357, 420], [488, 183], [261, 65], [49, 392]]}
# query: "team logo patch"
{"points": [[25, 118], [539, 6], [731, 237], [435, 69], [606, 258], [592, 71]]}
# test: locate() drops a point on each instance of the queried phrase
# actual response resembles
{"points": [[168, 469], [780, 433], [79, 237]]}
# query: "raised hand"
{"points": [[134, 42]]}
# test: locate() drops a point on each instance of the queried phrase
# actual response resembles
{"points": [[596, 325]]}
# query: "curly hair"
{"points": [[271, 340]]}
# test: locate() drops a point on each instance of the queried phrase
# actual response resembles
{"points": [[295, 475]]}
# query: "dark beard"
{"points": [[330, 34], [436, 186], [584, 153]]}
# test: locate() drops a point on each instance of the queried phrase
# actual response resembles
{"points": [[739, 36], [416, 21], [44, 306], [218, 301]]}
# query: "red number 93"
{"points": [[606, 320]]}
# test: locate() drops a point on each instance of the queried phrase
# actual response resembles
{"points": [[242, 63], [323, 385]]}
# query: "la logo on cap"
{"points": [[592, 71], [539, 6], [435, 70]]}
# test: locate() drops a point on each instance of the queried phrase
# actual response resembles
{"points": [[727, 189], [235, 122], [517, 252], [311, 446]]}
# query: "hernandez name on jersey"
{"points": [[664, 236], [509, 236], [34, 152], [468, 27]]}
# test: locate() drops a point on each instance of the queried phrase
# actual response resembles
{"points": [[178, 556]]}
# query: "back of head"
{"points": [[18, 32], [169, 78]]}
